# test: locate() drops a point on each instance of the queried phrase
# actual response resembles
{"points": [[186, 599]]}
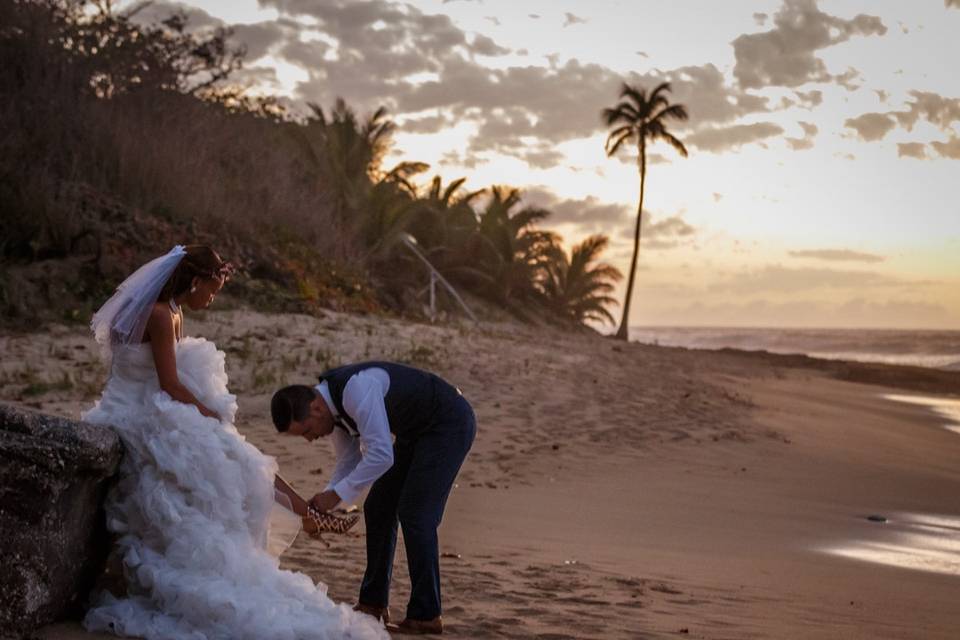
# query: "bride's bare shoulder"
{"points": [[160, 322], [160, 313]]}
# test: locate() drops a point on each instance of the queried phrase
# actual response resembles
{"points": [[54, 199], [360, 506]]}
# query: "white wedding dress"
{"points": [[192, 510]]}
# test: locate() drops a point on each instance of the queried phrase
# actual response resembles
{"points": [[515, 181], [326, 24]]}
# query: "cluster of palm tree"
{"points": [[486, 241]]}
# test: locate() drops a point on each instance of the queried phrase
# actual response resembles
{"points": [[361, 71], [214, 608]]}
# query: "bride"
{"points": [[194, 503]]}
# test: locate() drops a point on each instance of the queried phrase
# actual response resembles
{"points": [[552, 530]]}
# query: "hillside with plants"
{"points": [[119, 140]]}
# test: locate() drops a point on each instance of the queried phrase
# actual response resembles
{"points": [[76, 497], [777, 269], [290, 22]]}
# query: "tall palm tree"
{"points": [[578, 288], [641, 118]]}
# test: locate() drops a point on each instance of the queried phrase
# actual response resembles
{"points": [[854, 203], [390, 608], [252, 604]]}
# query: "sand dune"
{"points": [[621, 491]]}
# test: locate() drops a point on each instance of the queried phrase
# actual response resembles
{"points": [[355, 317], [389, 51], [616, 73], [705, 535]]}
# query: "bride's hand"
{"points": [[209, 412], [310, 525]]}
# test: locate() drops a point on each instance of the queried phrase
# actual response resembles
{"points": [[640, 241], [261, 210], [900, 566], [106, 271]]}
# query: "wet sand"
{"points": [[622, 491]]}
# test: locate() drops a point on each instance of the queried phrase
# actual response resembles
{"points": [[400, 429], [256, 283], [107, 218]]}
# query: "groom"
{"points": [[432, 427]]}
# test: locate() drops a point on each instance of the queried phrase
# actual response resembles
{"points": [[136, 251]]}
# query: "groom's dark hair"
{"points": [[291, 404]]}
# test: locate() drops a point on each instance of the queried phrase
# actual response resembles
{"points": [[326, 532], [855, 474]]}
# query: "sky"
{"points": [[821, 184]]}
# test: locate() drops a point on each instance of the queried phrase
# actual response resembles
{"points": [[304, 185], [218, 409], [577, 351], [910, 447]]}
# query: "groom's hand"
{"points": [[325, 501]]}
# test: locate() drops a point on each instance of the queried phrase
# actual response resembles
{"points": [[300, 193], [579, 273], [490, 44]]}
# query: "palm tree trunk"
{"points": [[625, 319]]}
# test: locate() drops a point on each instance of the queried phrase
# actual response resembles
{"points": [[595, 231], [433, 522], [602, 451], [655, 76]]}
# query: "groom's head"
{"points": [[298, 410]]}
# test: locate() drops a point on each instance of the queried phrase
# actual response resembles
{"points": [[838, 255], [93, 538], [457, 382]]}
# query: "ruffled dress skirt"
{"points": [[193, 510]]}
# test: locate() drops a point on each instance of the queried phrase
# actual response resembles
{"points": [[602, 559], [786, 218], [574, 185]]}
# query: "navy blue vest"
{"points": [[412, 401]]}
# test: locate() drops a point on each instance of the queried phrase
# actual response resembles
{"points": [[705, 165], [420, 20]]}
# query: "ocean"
{"points": [[933, 349]]}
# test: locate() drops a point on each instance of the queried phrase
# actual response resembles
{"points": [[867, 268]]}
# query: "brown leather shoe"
{"points": [[380, 613], [408, 627]]}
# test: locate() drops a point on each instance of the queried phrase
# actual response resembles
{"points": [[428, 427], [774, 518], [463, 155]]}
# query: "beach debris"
{"points": [[569, 562], [450, 554], [316, 472], [876, 518], [664, 588]]}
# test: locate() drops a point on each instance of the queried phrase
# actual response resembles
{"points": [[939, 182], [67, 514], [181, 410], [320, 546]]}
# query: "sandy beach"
{"points": [[620, 490]]}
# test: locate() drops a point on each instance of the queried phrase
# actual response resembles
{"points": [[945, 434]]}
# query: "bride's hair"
{"points": [[291, 404], [200, 261]]}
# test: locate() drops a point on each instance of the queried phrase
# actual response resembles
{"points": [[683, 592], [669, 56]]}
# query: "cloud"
{"points": [[846, 79], [837, 255], [807, 312], [760, 18], [871, 126], [937, 110], [949, 149], [721, 139], [426, 124], [660, 234], [542, 156], [665, 234], [911, 150], [155, 12], [952, 3], [799, 144], [259, 38], [806, 142], [590, 214], [898, 313], [570, 19], [485, 46], [704, 90], [380, 53], [809, 99], [784, 56], [777, 278]]}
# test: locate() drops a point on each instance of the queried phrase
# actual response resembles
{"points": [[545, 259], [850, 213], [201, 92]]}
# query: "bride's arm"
{"points": [[299, 504], [162, 339]]}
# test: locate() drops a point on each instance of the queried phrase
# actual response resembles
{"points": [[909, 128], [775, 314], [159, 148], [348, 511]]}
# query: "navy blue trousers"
{"points": [[413, 493]]}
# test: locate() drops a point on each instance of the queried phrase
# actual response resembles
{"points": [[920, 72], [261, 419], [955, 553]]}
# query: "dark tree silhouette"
{"points": [[641, 119], [578, 288]]}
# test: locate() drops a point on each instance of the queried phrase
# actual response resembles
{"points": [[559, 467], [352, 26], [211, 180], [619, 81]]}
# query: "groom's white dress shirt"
{"points": [[361, 460]]}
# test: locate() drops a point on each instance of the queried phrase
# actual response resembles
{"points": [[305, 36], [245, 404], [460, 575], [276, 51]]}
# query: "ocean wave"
{"points": [[922, 348]]}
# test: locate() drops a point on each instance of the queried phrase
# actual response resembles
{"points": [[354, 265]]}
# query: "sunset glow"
{"points": [[824, 137]]}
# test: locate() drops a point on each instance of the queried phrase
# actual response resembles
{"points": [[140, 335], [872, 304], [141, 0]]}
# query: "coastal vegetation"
{"points": [[120, 140]]}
